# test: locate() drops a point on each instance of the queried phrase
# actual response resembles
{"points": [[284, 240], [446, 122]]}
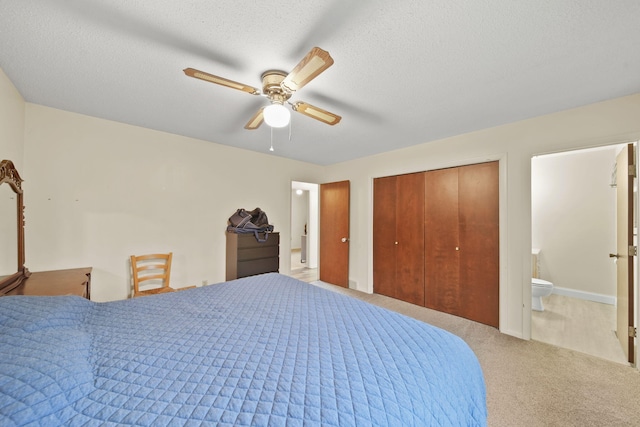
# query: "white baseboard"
{"points": [[588, 296]]}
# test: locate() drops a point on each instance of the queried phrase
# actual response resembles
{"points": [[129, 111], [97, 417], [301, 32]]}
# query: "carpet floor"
{"points": [[530, 383]]}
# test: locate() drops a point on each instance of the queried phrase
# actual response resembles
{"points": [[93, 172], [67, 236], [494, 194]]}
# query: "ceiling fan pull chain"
{"points": [[271, 148], [290, 130]]}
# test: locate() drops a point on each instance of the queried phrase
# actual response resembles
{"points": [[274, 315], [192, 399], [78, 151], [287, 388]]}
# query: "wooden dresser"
{"points": [[75, 281], [247, 257]]}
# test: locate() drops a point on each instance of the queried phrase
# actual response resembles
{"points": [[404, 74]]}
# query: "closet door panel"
{"points": [[384, 236], [410, 238], [479, 242], [442, 257]]}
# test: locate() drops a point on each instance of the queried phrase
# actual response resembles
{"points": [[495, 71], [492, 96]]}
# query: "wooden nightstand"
{"points": [[75, 281]]}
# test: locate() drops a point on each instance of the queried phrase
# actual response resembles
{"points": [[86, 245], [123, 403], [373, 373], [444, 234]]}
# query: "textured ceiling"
{"points": [[405, 72]]}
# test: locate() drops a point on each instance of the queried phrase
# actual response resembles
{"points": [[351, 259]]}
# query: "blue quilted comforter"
{"points": [[262, 351]]}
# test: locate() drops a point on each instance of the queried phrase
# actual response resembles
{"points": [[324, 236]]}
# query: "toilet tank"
{"points": [[535, 263]]}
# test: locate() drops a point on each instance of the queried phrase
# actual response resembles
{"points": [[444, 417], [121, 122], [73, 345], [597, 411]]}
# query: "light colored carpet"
{"points": [[530, 383]]}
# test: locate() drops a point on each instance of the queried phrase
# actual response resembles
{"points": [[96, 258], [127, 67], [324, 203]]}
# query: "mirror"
{"points": [[12, 269]]}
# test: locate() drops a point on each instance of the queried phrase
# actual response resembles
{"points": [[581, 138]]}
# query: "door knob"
{"points": [[614, 256], [344, 240]]}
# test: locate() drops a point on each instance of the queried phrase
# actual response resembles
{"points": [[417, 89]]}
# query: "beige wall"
{"points": [[514, 145], [11, 122], [99, 191], [11, 144]]}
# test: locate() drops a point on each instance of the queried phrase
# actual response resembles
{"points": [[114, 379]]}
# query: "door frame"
{"points": [[636, 262], [313, 222], [625, 266]]}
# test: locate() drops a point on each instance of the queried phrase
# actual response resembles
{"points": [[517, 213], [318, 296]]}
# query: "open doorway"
{"points": [[304, 231], [573, 202]]}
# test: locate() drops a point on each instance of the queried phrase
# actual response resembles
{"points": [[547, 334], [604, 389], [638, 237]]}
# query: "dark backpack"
{"points": [[246, 222]]}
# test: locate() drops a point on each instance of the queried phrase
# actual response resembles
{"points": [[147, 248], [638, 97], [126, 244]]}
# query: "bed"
{"points": [[266, 350]]}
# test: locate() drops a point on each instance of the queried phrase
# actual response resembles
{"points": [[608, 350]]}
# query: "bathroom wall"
{"points": [[573, 209]]}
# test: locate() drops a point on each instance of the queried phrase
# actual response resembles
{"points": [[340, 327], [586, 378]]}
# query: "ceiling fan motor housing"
{"points": [[271, 87]]}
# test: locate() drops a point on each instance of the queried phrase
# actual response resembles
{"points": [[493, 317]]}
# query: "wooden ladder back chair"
{"points": [[151, 270]]}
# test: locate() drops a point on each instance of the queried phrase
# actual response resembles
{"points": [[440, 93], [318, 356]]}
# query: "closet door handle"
{"points": [[344, 240]]}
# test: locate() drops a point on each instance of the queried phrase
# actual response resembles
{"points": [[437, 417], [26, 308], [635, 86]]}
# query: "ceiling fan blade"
{"points": [[317, 113], [255, 121], [316, 61], [191, 72]]}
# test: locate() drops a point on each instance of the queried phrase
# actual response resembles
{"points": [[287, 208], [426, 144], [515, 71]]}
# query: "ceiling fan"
{"points": [[278, 87]]}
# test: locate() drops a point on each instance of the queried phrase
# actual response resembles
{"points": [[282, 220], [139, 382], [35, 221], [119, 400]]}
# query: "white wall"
{"points": [[99, 191], [299, 216], [574, 220], [514, 144]]}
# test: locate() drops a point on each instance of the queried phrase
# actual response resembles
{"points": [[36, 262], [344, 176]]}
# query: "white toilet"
{"points": [[539, 288]]}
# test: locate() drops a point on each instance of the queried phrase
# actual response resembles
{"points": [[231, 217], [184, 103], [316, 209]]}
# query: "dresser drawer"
{"points": [[246, 256], [246, 241], [258, 266]]}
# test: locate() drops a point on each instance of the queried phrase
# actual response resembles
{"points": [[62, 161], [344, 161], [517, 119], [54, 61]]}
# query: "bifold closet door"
{"points": [[462, 242], [398, 237], [384, 236], [442, 241], [479, 242], [410, 238]]}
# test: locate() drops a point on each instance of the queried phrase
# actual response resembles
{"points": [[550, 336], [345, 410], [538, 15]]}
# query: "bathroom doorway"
{"points": [[573, 201], [304, 231]]}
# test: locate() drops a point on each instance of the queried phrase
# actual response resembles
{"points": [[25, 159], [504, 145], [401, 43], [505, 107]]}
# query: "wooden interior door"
{"points": [[624, 264], [384, 236], [478, 195], [409, 241], [442, 241], [334, 233]]}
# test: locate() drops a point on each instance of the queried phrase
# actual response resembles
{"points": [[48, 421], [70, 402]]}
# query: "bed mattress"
{"points": [[266, 350]]}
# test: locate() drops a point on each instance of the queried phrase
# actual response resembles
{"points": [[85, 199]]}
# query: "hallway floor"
{"points": [[299, 270]]}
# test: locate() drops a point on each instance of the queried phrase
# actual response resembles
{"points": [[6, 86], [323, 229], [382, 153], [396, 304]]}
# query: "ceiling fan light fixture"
{"points": [[278, 87], [277, 115]]}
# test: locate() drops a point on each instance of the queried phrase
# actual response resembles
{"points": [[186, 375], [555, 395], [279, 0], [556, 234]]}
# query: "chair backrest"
{"points": [[151, 273]]}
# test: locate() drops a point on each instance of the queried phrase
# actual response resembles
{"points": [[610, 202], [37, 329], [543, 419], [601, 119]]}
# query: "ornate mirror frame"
{"points": [[10, 176]]}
